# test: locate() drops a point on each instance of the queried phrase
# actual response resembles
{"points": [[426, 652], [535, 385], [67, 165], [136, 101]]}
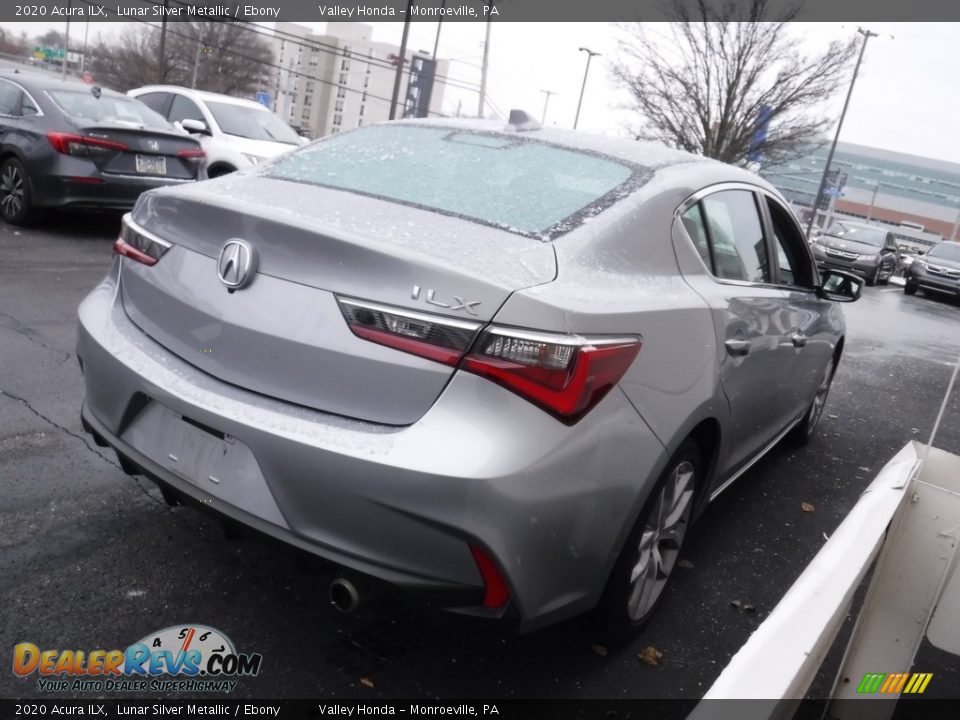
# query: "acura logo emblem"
{"points": [[237, 264]]}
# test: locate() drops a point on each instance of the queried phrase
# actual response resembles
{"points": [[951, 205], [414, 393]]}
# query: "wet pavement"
{"points": [[91, 558]]}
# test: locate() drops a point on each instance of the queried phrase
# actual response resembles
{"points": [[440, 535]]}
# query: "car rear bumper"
{"points": [[549, 503], [102, 191]]}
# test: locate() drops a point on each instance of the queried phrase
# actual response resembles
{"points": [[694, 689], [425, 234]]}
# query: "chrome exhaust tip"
{"points": [[344, 595]]}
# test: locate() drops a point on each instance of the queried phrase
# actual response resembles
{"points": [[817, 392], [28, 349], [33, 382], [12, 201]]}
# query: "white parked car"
{"points": [[235, 133]]}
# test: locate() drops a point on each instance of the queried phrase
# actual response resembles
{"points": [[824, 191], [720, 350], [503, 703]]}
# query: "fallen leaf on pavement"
{"points": [[599, 650], [807, 507], [736, 603], [366, 681], [749, 608], [650, 655]]}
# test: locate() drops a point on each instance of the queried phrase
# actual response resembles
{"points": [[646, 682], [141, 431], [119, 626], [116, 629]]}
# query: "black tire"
{"points": [[16, 204], [909, 289], [220, 171], [807, 427], [875, 278], [618, 618]]}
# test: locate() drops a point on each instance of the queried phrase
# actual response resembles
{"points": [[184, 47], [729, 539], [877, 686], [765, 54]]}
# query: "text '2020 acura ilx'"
{"points": [[500, 367]]}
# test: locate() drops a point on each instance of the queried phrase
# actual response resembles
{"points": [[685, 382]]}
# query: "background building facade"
{"points": [[343, 80], [918, 196]]}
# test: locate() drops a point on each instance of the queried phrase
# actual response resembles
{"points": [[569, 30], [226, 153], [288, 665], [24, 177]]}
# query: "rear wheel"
{"points": [[16, 206], [650, 553], [219, 170], [802, 433]]}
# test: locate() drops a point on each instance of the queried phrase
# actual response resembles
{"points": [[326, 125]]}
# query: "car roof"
{"points": [[201, 95], [39, 80]]}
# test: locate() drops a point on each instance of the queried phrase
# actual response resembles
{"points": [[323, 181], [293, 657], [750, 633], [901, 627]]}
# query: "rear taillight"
{"points": [[137, 244], [441, 339], [192, 154], [566, 375], [82, 145]]}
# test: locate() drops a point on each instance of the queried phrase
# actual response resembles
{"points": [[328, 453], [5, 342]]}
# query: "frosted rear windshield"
{"points": [[514, 183]]}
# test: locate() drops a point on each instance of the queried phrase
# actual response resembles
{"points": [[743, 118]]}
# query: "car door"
{"points": [[890, 254], [726, 226], [806, 318]]}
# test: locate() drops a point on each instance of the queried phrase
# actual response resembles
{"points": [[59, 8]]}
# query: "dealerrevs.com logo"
{"points": [[182, 658]]}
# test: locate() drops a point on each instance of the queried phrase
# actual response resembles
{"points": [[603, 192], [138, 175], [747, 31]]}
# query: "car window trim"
{"points": [[721, 187], [26, 92]]}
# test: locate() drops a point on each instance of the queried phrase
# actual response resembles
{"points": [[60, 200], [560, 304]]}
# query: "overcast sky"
{"points": [[905, 98]]}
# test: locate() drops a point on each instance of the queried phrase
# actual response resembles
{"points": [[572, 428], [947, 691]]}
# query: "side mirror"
{"points": [[839, 286], [195, 126]]}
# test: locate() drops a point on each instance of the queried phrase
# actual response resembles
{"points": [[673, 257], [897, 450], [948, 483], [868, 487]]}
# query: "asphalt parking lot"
{"points": [[91, 558]]}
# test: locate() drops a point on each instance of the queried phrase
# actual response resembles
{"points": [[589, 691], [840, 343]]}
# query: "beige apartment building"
{"points": [[342, 79]]}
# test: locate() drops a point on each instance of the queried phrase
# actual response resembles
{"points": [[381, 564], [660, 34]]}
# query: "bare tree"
{"points": [[705, 84], [224, 57]]}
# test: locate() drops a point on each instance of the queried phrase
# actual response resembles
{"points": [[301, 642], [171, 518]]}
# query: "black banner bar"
{"points": [[353, 709], [449, 11]]}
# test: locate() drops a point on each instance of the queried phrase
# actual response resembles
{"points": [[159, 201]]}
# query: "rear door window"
{"points": [[157, 101], [9, 98], [184, 109], [735, 232]]}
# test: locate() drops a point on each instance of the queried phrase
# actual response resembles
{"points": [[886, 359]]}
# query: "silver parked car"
{"points": [[500, 367]]}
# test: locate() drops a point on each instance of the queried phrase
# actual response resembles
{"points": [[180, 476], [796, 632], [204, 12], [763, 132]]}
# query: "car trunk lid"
{"points": [[142, 151], [284, 335]]}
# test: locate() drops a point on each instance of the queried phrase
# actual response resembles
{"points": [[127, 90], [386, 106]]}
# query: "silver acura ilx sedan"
{"points": [[501, 367]]}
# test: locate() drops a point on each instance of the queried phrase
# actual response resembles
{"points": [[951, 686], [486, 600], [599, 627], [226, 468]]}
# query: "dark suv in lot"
{"points": [[863, 249], [938, 270]]}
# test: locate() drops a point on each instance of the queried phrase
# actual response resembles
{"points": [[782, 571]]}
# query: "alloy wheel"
{"points": [[11, 191], [819, 400], [660, 541]]}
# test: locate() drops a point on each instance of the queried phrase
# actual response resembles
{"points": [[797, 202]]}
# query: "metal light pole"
{"points": [[590, 53], [403, 58], [83, 57], [483, 70], [436, 42], [873, 201], [163, 45], [546, 101], [66, 45], [826, 168], [956, 224]]}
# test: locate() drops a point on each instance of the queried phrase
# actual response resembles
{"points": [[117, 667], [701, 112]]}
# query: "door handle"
{"points": [[738, 348], [798, 339]]}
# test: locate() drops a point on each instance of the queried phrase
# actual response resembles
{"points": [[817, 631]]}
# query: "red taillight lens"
{"points": [[83, 145], [136, 244], [192, 154], [564, 375], [444, 340], [495, 590]]}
